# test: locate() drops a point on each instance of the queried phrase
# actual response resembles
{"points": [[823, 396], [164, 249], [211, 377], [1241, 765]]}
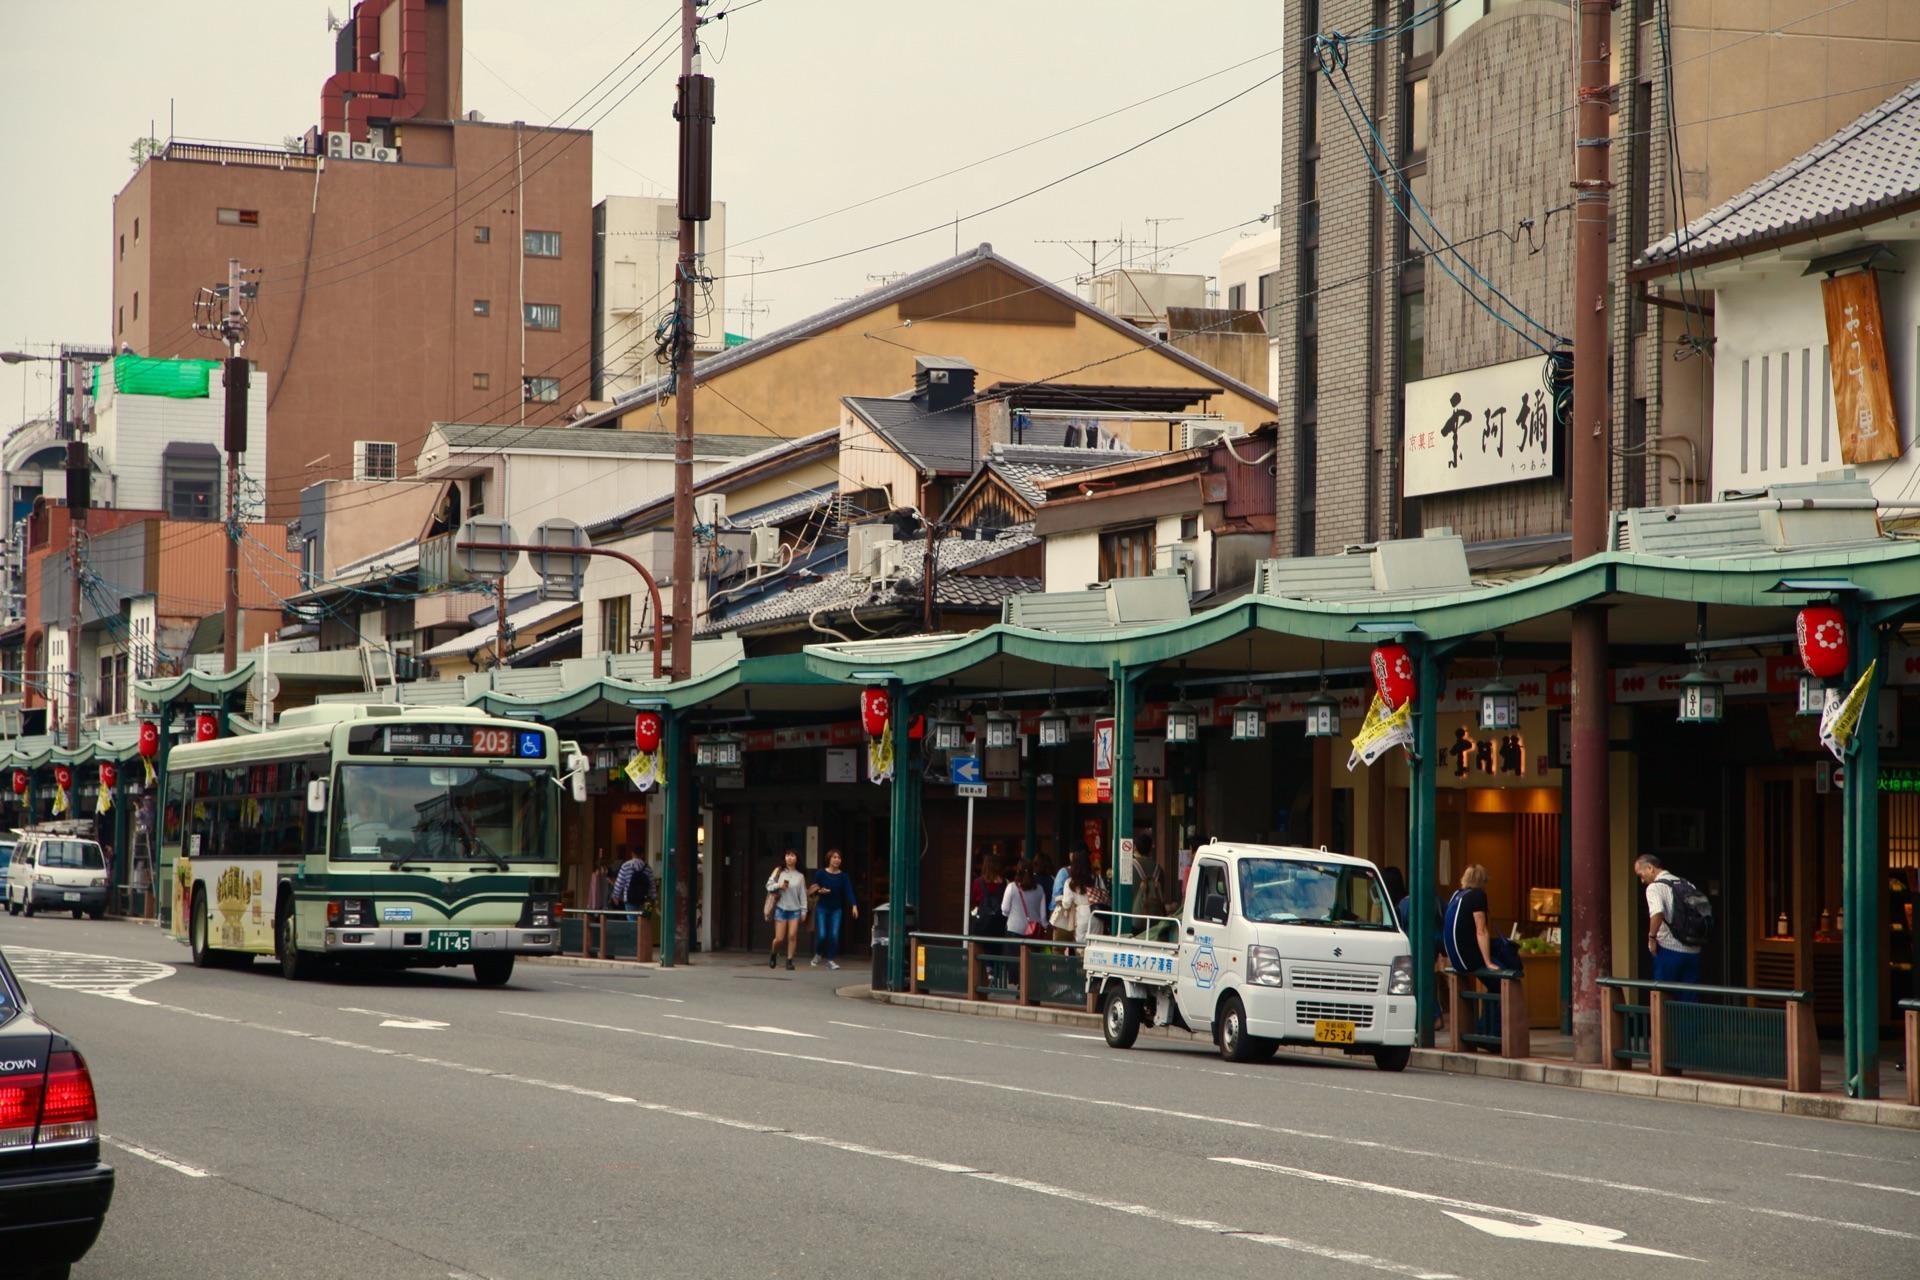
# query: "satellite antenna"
{"points": [[333, 23]]}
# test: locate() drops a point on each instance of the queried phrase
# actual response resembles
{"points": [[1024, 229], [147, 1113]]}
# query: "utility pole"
{"points": [[1587, 483], [230, 326], [79, 497]]}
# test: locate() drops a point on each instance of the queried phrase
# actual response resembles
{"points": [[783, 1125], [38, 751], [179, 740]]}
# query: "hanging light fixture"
{"points": [[1702, 698], [703, 752], [1183, 722], [949, 734], [726, 751], [1323, 715], [1003, 728], [1499, 701], [1055, 728], [1250, 714], [1812, 698]]}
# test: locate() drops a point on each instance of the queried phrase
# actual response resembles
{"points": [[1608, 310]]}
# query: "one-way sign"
{"points": [[964, 770]]}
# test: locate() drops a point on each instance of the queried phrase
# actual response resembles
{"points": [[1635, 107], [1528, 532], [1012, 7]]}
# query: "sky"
{"points": [[821, 104]]}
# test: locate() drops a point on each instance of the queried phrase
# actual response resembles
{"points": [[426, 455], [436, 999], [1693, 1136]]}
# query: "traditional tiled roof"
{"points": [[773, 456], [1872, 165], [1023, 466], [492, 438]]}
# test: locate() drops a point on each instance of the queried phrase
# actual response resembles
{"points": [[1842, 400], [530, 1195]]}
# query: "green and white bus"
{"points": [[385, 835]]}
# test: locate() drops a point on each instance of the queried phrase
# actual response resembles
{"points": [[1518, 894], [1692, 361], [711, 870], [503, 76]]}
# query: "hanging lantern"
{"points": [[1499, 706], [149, 739], [1323, 715], [646, 731], [703, 752], [1183, 722], [916, 728], [1002, 729], [1812, 699], [1702, 698], [726, 751], [109, 776], [1822, 635], [1055, 728], [873, 711], [206, 727], [1249, 720], [949, 734], [19, 782], [62, 777], [1393, 674]]}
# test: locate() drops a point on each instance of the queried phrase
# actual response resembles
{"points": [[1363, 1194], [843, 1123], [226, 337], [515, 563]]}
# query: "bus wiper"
{"points": [[407, 864], [493, 860]]}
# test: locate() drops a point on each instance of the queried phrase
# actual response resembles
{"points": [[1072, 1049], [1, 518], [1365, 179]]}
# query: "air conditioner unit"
{"points": [[710, 509], [763, 548], [1195, 434], [383, 155], [376, 460], [361, 151], [339, 145], [861, 539], [888, 556]]}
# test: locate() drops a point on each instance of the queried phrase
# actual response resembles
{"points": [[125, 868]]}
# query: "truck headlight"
{"points": [[1263, 966], [99, 882], [1400, 981]]}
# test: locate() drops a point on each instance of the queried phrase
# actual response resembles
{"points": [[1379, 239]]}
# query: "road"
{"points": [[727, 1120]]}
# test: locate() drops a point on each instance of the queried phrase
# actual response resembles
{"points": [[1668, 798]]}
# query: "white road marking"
{"points": [[147, 1153], [1864, 1186], [113, 977], [1075, 1035], [735, 1026], [928, 1163], [404, 1021], [1631, 1188], [1531, 1226], [613, 991]]}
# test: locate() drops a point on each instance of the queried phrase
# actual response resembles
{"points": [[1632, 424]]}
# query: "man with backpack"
{"points": [[1678, 919], [633, 887]]}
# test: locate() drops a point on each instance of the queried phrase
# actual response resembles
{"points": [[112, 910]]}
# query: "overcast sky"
{"points": [[821, 103]]}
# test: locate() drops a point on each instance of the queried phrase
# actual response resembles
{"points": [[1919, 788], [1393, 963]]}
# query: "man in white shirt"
{"points": [[1673, 960]]}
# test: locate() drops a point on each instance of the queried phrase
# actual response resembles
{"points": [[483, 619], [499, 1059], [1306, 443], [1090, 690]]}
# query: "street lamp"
{"points": [[1183, 723], [1002, 728], [1055, 728], [949, 734], [1812, 699], [1499, 705], [1323, 715], [726, 751], [1702, 698], [1249, 720]]}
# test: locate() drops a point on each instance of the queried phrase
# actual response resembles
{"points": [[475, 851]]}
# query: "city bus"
{"points": [[373, 835]]}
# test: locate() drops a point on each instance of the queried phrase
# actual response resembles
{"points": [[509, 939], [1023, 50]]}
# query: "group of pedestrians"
{"points": [[791, 899]]}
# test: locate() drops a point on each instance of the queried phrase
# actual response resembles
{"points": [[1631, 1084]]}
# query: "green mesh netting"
{"points": [[152, 376]]}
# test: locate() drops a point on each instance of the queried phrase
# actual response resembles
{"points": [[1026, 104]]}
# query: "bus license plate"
{"points": [[449, 940], [1326, 1031]]}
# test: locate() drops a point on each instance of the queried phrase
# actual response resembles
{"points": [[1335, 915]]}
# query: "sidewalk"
{"points": [[1536, 1070]]}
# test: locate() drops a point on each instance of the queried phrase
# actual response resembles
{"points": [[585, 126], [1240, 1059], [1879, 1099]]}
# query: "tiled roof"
{"points": [[773, 452], [486, 438], [1023, 466], [839, 591], [1871, 165]]}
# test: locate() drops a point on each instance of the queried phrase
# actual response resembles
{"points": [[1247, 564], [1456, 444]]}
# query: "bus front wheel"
{"points": [[493, 969], [295, 965]]}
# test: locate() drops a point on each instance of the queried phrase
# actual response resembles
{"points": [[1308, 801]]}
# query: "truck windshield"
{"points": [[76, 855], [442, 813], [1289, 891]]}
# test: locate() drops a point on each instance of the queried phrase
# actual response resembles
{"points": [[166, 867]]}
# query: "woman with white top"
{"points": [[1025, 904], [1073, 913], [786, 906]]}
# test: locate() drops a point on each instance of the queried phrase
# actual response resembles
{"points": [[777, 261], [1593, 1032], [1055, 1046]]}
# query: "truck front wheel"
{"points": [[1120, 1017], [1393, 1057], [1230, 1030]]}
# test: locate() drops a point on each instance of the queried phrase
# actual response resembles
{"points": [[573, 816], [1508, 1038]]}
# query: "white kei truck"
{"points": [[1273, 945]]}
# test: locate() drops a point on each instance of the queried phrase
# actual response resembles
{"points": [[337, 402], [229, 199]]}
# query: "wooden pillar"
{"points": [[1803, 1048], [1657, 1032], [1515, 1037]]}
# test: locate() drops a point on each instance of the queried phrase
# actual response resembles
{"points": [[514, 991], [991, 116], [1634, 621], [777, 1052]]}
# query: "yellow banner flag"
{"points": [[1841, 719], [1381, 730]]}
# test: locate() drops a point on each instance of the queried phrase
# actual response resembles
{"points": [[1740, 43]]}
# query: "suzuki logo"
{"points": [[1337, 953]]}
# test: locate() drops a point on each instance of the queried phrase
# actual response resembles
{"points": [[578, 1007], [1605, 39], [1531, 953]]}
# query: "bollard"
{"points": [[1803, 1048]]}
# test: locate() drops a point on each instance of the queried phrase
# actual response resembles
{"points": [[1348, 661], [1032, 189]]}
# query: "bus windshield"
{"points": [[442, 813], [1290, 891]]}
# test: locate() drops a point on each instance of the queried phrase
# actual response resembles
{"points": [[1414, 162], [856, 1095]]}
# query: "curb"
{"points": [[1713, 1093], [592, 962]]}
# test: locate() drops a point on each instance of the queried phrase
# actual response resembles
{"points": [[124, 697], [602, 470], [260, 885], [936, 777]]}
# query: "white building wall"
{"points": [[1072, 561], [1773, 412], [640, 252], [131, 432]]}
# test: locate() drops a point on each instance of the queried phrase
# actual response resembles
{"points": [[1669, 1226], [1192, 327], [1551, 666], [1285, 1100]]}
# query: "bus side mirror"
{"points": [[317, 796], [577, 777]]}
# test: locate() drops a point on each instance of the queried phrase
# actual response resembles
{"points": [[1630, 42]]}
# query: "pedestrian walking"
{"points": [[1149, 881], [786, 906], [832, 894], [1073, 912], [1674, 930], [1059, 884], [1024, 903], [989, 918], [633, 887], [600, 884]]}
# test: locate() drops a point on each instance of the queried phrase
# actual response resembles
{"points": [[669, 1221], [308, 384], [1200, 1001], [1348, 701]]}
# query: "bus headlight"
{"points": [[538, 913], [350, 912], [1263, 965], [1400, 981]]}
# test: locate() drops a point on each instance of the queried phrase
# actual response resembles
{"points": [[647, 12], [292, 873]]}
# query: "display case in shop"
{"points": [[1540, 958]]}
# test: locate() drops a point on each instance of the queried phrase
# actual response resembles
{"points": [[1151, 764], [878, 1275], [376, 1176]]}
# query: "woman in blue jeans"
{"points": [[832, 892]]}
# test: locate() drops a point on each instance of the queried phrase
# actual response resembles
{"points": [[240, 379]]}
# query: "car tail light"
{"points": [[539, 913], [350, 912], [68, 1111], [19, 1110]]}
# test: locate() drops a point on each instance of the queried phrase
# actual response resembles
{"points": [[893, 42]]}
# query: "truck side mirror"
{"points": [[317, 796]]}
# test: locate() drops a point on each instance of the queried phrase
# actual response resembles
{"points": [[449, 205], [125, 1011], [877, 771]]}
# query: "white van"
{"points": [[55, 870]]}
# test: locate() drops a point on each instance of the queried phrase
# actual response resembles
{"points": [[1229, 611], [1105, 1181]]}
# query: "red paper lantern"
{"points": [[646, 731], [149, 739], [109, 776], [917, 728], [19, 782], [1393, 674], [1822, 634], [62, 777], [874, 706], [206, 727]]}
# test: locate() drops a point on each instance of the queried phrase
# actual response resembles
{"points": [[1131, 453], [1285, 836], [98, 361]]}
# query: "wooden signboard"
{"points": [[1857, 349]]}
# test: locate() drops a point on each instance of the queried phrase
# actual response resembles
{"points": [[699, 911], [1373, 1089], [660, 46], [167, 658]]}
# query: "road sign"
{"points": [[487, 564], [971, 790], [561, 573], [965, 771]]}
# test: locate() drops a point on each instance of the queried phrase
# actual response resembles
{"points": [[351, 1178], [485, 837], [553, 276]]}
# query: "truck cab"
{"points": [[1273, 945]]}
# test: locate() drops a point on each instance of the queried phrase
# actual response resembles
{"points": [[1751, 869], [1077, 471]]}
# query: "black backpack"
{"points": [[1691, 917]]}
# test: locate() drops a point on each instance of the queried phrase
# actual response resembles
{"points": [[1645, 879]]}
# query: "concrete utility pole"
{"points": [[695, 113], [1587, 484], [230, 327], [79, 497]]}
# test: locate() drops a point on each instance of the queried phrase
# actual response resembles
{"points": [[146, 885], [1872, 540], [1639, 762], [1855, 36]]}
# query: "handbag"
{"points": [[1035, 929], [766, 911], [1065, 915]]}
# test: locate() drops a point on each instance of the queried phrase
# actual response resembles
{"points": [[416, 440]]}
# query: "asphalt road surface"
{"points": [[725, 1120]]}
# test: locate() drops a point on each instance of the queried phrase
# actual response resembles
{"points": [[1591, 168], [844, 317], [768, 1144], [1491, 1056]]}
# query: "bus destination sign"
{"points": [[457, 740]]}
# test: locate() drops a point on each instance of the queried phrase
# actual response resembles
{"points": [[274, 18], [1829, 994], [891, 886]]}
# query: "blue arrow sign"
{"points": [[963, 769]]}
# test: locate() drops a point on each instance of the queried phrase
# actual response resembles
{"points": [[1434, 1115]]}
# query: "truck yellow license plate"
{"points": [[1326, 1031]]}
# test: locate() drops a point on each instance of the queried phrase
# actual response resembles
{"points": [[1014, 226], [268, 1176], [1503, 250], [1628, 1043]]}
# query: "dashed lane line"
{"points": [[159, 1158]]}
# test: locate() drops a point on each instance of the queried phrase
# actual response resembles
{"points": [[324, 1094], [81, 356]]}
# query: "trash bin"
{"points": [[881, 913]]}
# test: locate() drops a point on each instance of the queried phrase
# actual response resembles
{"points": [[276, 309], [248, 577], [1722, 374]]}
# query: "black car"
{"points": [[54, 1190]]}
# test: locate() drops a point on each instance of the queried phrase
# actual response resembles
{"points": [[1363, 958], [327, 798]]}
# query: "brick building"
{"points": [[1473, 105], [416, 264]]}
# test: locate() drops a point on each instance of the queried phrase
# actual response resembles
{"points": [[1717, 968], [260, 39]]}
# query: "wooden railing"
{"points": [[1027, 971], [603, 933], [1668, 1026], [1494, 1020], [1911, 1010]]}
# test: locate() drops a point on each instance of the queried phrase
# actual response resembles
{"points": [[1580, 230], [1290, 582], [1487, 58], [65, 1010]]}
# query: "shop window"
{"points": [[1126, 553], [616, 624]]}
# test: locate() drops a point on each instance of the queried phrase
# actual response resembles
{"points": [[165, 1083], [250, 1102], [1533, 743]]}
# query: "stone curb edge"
{"points": [[1530, 1070]]}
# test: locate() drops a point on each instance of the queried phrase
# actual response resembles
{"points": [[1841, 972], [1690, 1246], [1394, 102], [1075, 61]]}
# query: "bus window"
{"points": [[177, 786], [449, 812]]}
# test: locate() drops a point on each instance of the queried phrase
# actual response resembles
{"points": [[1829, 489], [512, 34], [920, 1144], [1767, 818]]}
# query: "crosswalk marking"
{"points": [[114, 977]]}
